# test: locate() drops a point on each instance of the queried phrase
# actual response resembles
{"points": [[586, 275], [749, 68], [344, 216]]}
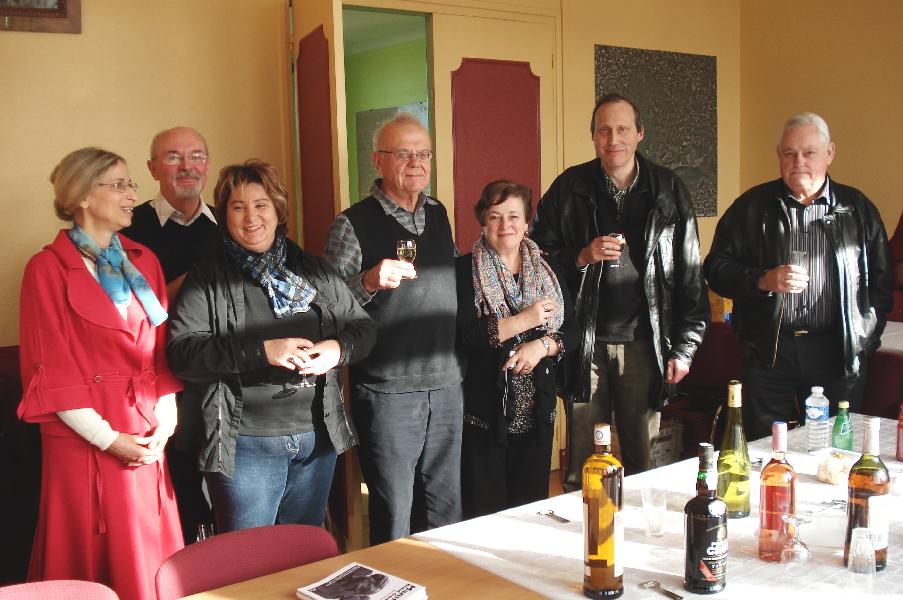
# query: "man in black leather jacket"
{"points": [[814, 322], [640, 322]]}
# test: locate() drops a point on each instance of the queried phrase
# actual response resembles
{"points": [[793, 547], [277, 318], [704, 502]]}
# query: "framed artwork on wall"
{"points": [[41, 16], [677, 95]]}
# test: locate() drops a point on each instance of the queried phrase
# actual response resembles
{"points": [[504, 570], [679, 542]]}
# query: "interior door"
{"points": [[322, 153], [522, 38], [322, 148]]}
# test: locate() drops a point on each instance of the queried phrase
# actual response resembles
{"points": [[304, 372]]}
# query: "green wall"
{"points": [[382, 79]]}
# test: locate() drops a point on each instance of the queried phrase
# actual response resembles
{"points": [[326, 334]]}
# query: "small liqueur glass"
{"points": [[622, 241]]}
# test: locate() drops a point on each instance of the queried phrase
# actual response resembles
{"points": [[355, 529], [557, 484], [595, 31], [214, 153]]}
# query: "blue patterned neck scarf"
{"points": [[288, 293], [117, 275]]}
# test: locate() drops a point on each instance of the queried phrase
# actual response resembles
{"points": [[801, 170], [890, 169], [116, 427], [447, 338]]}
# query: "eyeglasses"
{"points": [[174, 158], [121, 186], [406, 155]]}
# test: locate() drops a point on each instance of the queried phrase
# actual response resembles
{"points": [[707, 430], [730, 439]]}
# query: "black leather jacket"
{"points": [[675, 289], [751, 238]]}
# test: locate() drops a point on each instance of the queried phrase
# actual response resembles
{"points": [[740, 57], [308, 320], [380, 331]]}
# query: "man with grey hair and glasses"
{"points": [[806, 261], [180, 229], [406, 398]]}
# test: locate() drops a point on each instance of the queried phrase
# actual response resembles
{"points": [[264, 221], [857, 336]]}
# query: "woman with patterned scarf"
{"points": [[94, 371], [258, 333], [511, 317]]}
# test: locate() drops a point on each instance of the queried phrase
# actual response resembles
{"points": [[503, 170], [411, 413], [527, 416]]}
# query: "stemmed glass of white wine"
{"points": [[406, 250]]}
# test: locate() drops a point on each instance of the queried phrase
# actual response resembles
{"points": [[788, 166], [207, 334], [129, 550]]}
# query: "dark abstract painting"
{"points": [[677, 96]]}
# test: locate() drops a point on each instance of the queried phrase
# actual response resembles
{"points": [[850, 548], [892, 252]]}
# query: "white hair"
{"points": [[401, 118], [808, 118]]}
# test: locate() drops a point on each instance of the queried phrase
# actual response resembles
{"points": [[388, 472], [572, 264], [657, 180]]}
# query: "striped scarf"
{"points": [[288, 293]]}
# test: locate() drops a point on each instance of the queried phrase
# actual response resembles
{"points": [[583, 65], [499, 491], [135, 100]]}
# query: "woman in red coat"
{"points": [[96, 379]]}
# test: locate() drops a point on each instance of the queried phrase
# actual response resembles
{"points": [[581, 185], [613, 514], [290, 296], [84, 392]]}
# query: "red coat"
{"points": [[99, 520]]}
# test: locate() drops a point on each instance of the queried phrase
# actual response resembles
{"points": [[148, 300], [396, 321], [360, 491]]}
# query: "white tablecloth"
{"points": [[547, 556]]}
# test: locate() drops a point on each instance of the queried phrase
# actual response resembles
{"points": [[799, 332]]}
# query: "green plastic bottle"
{"points": [[842, 434]]}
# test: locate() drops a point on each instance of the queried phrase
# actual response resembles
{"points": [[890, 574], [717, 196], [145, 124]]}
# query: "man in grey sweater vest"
{"points": [[406, 403]]}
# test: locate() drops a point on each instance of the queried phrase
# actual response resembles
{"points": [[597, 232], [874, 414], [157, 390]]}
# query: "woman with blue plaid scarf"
{"points": [[259, 333]]}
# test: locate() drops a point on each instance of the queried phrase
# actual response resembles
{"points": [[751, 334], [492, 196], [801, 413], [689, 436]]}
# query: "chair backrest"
{"points": [[62, 589], [239, 555]]}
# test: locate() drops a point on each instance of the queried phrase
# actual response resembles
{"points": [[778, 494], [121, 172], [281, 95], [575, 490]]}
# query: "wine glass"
{"points": [[795, 553], [619, 237], [406, 250], [290, 386]]}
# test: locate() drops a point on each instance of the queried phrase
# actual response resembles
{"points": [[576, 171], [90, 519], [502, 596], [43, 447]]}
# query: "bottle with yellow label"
{"points": [[603, 530]]}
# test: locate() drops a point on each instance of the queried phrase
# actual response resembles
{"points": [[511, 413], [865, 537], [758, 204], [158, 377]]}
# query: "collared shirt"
{"points": [[343, 249], [166, 212], [616, 193], [816, 307]]}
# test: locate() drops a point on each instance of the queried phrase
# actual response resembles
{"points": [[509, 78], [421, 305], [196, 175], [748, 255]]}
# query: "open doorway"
{"points": [[386, 71]]}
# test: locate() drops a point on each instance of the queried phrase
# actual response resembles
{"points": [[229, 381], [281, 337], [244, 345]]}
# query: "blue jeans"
{"points": [[278, 479]]}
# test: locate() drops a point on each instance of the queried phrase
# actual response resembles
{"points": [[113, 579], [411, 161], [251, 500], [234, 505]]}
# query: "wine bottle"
{"points": [[842, 433], [705, 558], [603, 529], [869, 500], [777, 496], [733, 460]]}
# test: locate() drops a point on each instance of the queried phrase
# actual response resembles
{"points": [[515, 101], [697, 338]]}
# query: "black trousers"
{"points": [[803, 361], [496, 476]]}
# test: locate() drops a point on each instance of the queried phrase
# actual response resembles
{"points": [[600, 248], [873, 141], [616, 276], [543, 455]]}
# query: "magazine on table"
{"points": [[360, 582]]}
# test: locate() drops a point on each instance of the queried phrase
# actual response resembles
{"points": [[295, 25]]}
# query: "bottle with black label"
{"points": [[705, 564]]}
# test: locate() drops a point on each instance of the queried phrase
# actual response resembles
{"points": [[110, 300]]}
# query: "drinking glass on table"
{"points": [[622, 241], [654, 503], [795, 552], [861, 559]]}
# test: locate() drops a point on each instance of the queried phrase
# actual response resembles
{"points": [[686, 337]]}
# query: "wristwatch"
{"points": [[546, 344]]}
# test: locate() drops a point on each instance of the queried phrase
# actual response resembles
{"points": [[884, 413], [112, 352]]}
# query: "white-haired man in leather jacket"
{"points": [[806, 261]]}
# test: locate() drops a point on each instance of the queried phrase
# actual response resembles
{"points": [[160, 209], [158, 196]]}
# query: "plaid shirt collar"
{"points": [[389, 205]]}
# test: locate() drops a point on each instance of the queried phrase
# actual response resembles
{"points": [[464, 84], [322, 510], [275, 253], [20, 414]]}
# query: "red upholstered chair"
{"points": [[61, 589], [239, 555]]}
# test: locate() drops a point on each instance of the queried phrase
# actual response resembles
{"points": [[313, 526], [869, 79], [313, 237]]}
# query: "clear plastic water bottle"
{"points": [[817, 425]]}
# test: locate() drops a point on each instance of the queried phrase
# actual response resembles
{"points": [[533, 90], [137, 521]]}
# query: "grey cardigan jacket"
{"points": [[209, 350]]}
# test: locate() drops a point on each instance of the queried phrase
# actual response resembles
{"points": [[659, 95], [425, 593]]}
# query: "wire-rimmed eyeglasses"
{"points": [[121, 185], [175, 158], [406, 155]]}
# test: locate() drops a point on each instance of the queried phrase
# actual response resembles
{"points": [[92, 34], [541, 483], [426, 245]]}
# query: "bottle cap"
{"points": [[734, 397], [706, 455], [817, 389], [601, 434], [779, 436], [843, 404], [871, 430]]}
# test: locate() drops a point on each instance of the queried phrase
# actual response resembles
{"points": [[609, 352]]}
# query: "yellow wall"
{"points": [[844, 61], [710, 27], [137, 67]]}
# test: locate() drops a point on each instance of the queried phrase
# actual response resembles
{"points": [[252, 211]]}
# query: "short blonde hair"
{"points": [[232, 177], [74, 176]]}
